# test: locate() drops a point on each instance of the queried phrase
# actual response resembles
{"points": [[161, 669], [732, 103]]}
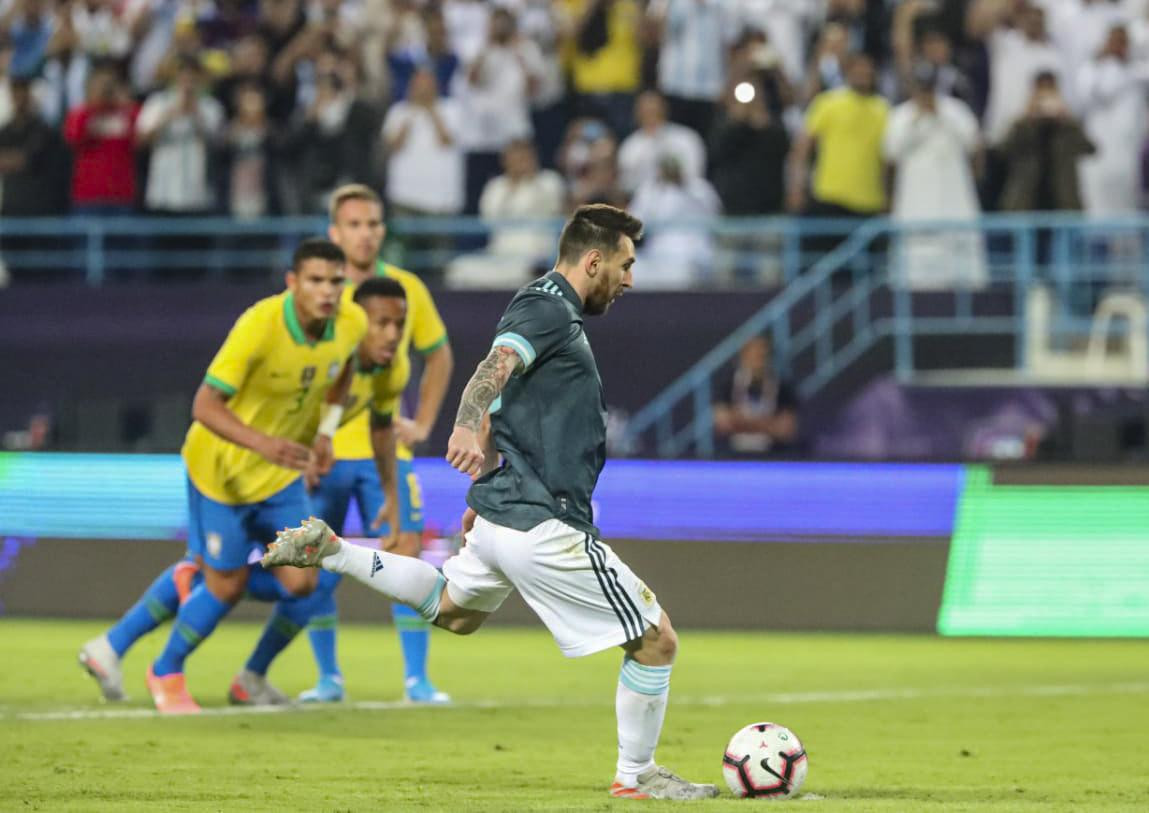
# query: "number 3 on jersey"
{"points": [[305, 379]]}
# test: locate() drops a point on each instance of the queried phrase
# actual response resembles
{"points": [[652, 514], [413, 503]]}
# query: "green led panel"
{"points": [[1047, 560]]}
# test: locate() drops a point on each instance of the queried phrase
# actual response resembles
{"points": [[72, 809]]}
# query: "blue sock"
{"points": [[321, 626], [158, 603], [263, 586], [288, 618], [196, 619], [414, 637]]}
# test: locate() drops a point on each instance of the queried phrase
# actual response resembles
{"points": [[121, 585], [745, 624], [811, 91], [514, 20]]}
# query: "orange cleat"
{"points": [[171, 694]]}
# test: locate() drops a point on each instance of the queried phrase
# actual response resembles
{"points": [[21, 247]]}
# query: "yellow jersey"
{"points": [[276, 379], [849, 170], [374, 391], [424, 331]]}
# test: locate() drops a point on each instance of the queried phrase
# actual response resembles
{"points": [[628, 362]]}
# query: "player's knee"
{"points": [[661, 642], [459, 626], [667, 644], [460, 623], [226, 585], [299, 583]]}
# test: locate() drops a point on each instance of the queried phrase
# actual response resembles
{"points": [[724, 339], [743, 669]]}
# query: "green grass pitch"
{"points": [[891, 724]]}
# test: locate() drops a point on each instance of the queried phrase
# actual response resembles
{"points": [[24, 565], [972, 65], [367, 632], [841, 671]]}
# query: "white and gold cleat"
{"points": [[304, 546], [659, 783]]}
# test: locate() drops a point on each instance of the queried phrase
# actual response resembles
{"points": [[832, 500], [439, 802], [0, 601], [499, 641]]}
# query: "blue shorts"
{"points": [[360, 479], [224, 535]]}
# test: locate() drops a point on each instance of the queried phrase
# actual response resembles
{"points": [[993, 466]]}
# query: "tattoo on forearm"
{"points": [[485, 386]]}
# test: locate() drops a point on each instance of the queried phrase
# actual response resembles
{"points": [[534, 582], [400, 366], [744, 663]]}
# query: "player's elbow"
{"points": [[443, 359], [205, 399]]}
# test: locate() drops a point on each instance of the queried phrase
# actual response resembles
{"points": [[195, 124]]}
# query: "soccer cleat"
{"points": [[102, 663], [659, 783], [170, 692], [420, 691], [303, 546], [250, 689], [329, 689]]}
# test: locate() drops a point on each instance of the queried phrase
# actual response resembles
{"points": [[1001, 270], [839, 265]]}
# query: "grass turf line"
{"points": [[905, 724]]}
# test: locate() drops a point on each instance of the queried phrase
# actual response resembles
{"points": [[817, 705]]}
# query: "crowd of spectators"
{"points": [[507, 108]]}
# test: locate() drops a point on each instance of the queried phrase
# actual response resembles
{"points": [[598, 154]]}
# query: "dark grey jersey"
{"points": [[549, 424]]}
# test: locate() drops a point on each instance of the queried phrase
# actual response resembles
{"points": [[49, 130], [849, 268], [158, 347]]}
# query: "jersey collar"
{"points": [[567, 289], [374, 368], [381, 268], [291, 319]]}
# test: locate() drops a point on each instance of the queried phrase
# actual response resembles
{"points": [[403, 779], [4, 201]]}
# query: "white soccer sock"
{"points": [[640, 705], [404, 579]]}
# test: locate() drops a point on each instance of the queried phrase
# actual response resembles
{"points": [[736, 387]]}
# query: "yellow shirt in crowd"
{"points": [[617, 66], [848, 128]]}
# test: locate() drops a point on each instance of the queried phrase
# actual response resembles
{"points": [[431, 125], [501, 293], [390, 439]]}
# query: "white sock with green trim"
{"points": [[404, 579], [640, 704]]}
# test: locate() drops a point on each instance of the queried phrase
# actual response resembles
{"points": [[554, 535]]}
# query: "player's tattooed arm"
{"points": [[465, 447], [485, 385]]}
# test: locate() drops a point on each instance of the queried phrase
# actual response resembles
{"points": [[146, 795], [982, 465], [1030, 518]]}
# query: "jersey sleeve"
{"points": [[427, 329], [242, 348], [534, 326]]}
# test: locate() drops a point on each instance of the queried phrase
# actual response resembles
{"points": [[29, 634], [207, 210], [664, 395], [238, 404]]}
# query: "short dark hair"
{"points": [[317, 248], [379, 286], [596, 225]]}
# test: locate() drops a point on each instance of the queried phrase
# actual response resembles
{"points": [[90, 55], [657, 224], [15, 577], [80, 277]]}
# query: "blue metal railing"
{"points": [[855, 288], [746, 252], [1072, 255]]}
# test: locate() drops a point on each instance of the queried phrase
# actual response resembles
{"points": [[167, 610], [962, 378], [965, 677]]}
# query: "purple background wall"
{"points": [[59, 344]]}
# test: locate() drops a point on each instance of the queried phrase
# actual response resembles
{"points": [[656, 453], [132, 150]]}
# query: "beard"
{"points": [[599, 300]]}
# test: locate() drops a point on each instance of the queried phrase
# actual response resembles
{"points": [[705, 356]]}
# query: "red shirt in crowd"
{"points": [[103, 142]]}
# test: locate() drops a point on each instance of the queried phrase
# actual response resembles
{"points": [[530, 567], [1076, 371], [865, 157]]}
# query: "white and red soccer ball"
{"points": [[765, 761]]}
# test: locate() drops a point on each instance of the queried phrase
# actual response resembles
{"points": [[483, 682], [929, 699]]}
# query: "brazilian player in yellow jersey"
{"points": [[380, 374], [356, 214], [256, 413]]}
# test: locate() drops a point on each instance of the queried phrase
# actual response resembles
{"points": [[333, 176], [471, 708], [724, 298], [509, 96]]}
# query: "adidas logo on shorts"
{"points": [[376, 564]]}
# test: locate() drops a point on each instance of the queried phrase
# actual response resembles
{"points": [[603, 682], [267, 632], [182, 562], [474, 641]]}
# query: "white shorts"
{"points": [[588, 598]]}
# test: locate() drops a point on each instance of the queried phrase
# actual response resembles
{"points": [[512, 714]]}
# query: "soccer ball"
{"points": [[765, 761]]}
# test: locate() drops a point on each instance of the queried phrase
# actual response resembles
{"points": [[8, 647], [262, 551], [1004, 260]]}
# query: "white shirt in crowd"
{"points": [[178, 170], [1014, 62], [934, 182], [696, 36], [679, 255], [498, 105], [103, 31], [467, 23], [1078, 30], [540, 196], [424, 173], [538, 23], [640, 152], [153, 46], [787, 24], [1111, 94], [514, 251]]}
